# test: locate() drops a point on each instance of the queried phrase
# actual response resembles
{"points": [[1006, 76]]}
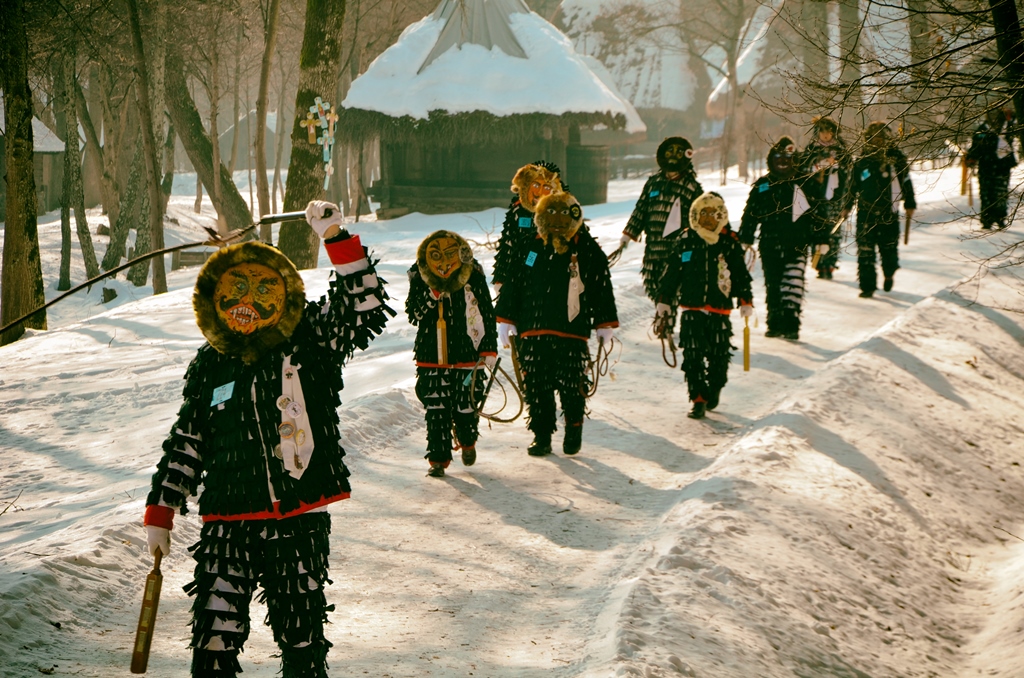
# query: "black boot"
{"points": [[436, 470], [573, 440], [887, 284], [540, 446], [713, 398], [698, 410], [468, 455]]}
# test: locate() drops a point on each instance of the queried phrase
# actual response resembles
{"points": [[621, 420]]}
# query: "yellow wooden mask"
{"points": [[249, 297], [443, 256]]}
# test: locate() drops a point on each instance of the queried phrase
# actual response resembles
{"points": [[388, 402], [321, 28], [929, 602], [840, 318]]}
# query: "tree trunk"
{"points": [[197, 207], [319, 68], [266, 232], [814, 20], [21, 281], [93, 151], [73, 175], [61, 118], [236, 85], [167, 183], [214, 189], [126, 212], [260, 146], [849, 74], [1011, 54], [156, 220], [189, 127], [139, 273]]}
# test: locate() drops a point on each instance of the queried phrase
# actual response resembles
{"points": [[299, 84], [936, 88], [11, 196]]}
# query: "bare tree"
{"points": [[269, 44]]}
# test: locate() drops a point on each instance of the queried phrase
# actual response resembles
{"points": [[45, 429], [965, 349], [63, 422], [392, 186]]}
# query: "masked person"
{"points": [[991, 152], [828, 161], [879, 181], [706, 272], [530, 183], [258, 431], [451, 304], [559, 289], [780, 205], [660, 212]]}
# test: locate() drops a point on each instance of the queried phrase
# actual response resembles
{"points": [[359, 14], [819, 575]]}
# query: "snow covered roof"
{"points": [[494, 56], [43, 139]]}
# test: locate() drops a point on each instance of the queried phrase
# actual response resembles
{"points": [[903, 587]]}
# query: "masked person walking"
{"points": [[559, 290], [880, 181], [703, 277], [779, 205], [660, 212], [991, 152], [451, 305], [827, 159], [530, 183], [259, 432]]}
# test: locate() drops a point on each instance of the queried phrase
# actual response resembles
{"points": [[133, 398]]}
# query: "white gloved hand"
{"points": [[746, 246], [320, 221], [823, 249], [624, 241], [506, 330], [746, 311], [158, 538], [490, 360], [662, 309], [605, 334]]}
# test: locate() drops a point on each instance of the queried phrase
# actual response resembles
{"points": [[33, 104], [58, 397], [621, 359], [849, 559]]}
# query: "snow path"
{"points": [[833, 517]]}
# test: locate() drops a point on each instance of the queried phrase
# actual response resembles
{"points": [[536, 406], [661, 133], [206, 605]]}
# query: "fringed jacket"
{"points": [[228, 437], [706, 277]]}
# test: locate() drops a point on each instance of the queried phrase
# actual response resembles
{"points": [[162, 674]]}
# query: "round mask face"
{"points": [[708, 219], [249, 297], [826, 137], [535, 191], [675, 156], [443, 256], [780, 161]]}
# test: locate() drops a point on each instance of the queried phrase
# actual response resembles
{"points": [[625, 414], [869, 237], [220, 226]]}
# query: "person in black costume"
{"points": [[258, 431], [530, 183], [828, 160], [780, 204], [991, 152], [706, 272], [879, 181], [660, 212], [558, 290], [450, 303]]}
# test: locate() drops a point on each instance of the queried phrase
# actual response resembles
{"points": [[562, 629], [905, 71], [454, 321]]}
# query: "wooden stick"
{"points": [[746, 344], [906, 230], [147, 616]]}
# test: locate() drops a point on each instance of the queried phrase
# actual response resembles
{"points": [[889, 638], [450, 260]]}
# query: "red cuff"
{"points": [[160, 516], [490, 353], [437, 295], [744, 302], [345, 251]]}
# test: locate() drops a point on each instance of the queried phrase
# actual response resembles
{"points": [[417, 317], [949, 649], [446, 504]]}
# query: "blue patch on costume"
{"points": [[222, 394], [686, 256], [764, 187], [525, 222], [865, 174], [531, 258], [654, 194]]}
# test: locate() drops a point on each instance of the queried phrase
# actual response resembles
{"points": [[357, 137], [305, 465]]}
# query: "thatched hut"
{"points": [[469, 94], [48, 160]]}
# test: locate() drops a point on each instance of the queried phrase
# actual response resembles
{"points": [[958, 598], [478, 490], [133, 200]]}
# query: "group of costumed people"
{"points": [[258, 429]]}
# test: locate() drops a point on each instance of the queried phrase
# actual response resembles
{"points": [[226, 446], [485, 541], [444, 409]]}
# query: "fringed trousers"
{"points": [[994, 188], [446, 395], [883, 236], [784, 269], [288, 559], [705, 341], [552, 363]]}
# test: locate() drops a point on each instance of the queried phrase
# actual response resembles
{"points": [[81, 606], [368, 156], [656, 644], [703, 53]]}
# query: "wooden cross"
{"points": [[310, 124], [326, 142], [319, 107], [332, 118]]}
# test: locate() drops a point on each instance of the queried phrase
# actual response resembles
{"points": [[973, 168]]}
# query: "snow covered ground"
{"points": [[853, 507]]}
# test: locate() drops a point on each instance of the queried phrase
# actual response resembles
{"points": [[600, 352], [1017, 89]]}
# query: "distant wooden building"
{"points": [[247, 137], [471, 93], [48, 160]]}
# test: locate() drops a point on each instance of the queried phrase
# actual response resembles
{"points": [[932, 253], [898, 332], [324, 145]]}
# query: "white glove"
{"points": [[497, 288], [604, 334], [662, 309], [746, 311], [746, 246], [158, 538], [315, 216], [624, 241], [506, 330], [490, 360], [823, 249]]}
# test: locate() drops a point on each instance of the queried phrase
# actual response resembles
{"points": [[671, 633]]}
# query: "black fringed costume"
{"points": [[992, 152], [827, 210], [879, 181], [553, 350], [702, 279], [444, 387], [774, 204], [262, 523]]}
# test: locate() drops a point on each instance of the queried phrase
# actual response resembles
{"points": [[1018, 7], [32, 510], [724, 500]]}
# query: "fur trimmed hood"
{"points": [[248, 347], [527, 174], [715, 202], [559, 217], [436, 282]]}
